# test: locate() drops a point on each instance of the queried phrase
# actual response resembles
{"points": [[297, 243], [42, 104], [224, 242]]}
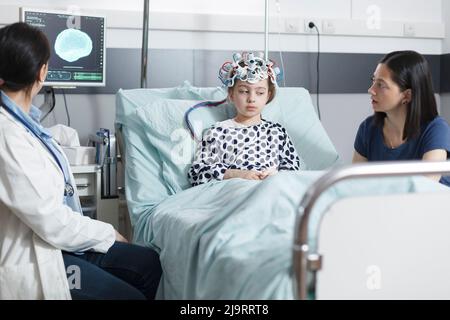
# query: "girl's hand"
{"points": [[269, 172], [243, 174]]}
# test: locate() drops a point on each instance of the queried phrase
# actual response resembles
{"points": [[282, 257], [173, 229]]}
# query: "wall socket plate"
{"points": [[307, 29], [328, 26], [292, 25], [409, 30]]}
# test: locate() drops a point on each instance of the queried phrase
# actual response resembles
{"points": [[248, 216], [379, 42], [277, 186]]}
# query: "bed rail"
{"points": [[305, 261]]}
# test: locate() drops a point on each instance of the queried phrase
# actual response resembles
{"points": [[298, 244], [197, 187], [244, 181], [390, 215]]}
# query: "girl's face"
{"points": [[385, 93], [250, 98]]}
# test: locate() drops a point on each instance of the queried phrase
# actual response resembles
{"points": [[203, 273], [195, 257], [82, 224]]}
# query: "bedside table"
{"points": [[88, 182]]}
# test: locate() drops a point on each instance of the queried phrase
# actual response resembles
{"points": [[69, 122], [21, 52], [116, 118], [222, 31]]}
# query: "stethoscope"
{"points": [[68, 188]]}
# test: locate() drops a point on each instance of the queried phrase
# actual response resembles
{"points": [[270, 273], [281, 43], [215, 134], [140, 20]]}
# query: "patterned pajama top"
{"points": [[231, 145]]}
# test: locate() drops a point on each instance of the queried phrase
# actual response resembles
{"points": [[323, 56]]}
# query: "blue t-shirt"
{"points": [[434, 135]]}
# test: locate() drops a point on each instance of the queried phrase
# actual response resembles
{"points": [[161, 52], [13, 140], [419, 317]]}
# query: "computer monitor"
{"points": [[77, 44]]}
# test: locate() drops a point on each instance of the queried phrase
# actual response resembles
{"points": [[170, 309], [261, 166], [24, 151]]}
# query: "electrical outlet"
{"points": [[292, 25], [328, 27], [409, 30], [307, 29]]}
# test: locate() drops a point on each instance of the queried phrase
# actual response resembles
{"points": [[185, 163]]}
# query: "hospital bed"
{"points": [[389, 247], [239, 239]]}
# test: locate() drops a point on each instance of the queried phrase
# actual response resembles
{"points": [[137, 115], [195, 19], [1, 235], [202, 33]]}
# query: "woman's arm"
{"points": [[358, 158], [436, 143], [435, 155]]}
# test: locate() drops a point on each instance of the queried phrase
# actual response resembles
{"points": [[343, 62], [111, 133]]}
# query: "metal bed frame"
{"points": [[309, 263]]}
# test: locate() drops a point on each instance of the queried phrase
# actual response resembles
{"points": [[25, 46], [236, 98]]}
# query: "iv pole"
{"points": [[144, 54], [266, 31]]}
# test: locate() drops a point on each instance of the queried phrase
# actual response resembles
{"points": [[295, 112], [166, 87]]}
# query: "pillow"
{"points": [[145, 185], [163, 123], [293, 109]]}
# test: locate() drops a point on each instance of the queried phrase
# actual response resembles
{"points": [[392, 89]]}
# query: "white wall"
{"points": [[133, 5], [341, 113], [88, 113], [350, 9], [446, 17], [171, 22]]}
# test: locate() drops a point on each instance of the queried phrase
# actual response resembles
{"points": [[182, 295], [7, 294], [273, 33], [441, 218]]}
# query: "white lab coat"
{"points": [[34, 224]]}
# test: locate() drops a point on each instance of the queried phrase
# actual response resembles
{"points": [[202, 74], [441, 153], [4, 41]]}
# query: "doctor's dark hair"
{"points": [[23, 51], [410, 70]]}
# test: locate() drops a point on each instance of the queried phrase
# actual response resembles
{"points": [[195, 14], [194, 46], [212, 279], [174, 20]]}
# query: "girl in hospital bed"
{"points": [[405, 124], [247, 146]]}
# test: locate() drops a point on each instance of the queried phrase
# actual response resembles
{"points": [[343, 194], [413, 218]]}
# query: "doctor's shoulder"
{"points": [[8, 126]]}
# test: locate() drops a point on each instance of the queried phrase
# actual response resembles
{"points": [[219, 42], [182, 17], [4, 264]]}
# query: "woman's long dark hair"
{"points": [[23, 51], [410, 70]]}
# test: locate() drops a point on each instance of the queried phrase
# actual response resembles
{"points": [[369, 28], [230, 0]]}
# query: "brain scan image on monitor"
{"points": [[73, 44], [77, 45]]}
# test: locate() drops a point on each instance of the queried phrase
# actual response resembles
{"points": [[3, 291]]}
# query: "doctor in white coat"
{"points": [[42, 229]]}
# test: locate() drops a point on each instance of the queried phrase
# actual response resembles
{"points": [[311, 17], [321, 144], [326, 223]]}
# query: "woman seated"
{"points": [[48, 249], [406, 124]]}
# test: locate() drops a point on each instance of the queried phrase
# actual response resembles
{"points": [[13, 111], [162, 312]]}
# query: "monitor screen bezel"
{"points": [[72, 84]]}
